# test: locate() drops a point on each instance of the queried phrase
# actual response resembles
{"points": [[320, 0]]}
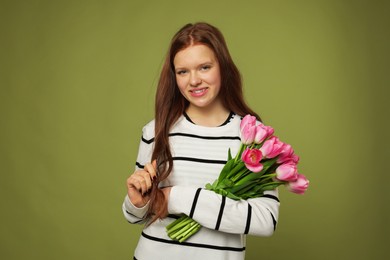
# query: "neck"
{"points": [[208, 117]]}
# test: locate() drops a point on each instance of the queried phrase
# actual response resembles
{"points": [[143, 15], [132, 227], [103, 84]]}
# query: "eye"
{"points": [[205, 67], [181, 72]]}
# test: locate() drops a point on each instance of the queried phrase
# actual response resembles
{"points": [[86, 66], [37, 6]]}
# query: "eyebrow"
{"points": [[200, 65]]}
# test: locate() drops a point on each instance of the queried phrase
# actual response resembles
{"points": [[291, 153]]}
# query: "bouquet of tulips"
{"points": [[262, 163]]}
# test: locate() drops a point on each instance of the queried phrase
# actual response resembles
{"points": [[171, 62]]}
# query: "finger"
{"points": [[146, 177], [133, 183], [151, 170], [145, 182], [154, 163], [138, 181], [143, 185], [134, 194]]}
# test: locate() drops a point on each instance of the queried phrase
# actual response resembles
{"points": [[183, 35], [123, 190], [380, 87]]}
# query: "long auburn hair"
{"points": [[170, 103]]}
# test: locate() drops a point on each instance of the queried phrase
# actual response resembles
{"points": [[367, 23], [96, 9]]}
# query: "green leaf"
{"points": [[225, 170], [269, 165], [237, 188], [238, 168], [221, 192], [270, 186], [227, 183], [232, 196], [239, 153], [249, 178], [209, 186], [248, 188]]}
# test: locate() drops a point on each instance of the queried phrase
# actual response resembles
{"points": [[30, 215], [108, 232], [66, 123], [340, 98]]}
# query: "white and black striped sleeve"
{"points": [[254, 216], [131, 212], [145, 147]]}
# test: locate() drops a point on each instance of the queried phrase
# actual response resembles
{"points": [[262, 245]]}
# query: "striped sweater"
{"points": [[199, 153]]}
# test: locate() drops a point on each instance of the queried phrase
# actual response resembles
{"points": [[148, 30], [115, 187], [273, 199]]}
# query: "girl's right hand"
{"points": [[139, 184]]}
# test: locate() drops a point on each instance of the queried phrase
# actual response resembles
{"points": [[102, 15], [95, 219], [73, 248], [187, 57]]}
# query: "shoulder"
{"points": [[148, 130]]}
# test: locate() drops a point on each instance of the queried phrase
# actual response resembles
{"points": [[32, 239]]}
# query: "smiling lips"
{"points": [[198, 92]]}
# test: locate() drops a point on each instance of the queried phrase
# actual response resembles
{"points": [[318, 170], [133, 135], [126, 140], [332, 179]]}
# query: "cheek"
{"points": [[181, 83], [215, 80]]}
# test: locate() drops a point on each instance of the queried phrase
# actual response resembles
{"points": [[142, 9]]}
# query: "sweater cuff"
{"points": [[181, 200], [138, 212]]}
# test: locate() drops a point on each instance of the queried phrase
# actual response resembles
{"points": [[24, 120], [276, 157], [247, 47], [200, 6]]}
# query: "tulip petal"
{"points": [[254, 168]]}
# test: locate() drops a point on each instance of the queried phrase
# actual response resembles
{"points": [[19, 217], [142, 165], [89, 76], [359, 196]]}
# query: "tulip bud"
{"points": [[299, 186], [262, 133], [272, 147], [287, 172]]}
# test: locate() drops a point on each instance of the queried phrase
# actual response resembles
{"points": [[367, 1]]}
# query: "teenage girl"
{"points": [[198, 109]]}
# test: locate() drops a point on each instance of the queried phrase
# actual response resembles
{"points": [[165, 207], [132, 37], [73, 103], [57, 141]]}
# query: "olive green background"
{"points": [[78, 81]]}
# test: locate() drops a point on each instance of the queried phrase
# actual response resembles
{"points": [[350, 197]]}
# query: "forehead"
{"points": [[193, 55]]}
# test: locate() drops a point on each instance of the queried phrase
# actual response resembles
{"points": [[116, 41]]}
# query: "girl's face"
{"points": [[198, 76]]}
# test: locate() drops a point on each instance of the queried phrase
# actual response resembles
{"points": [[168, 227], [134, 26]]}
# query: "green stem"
{"points": [[179, 232], [244, 189], [241, 186], [270, 186], [237, 168], [178, 224], [182, 228], [176, 233], [240, 174], [191, 231], [238, 155], [249, 178], [173, 223], [267, 176]]}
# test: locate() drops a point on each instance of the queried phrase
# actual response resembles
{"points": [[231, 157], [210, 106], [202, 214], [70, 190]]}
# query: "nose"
{"points": [[195, 80]]}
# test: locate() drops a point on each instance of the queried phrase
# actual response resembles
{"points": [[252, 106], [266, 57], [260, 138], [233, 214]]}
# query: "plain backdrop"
{"points": [[77, 84]]}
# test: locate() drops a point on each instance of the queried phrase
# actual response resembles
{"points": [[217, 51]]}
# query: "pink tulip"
{"points": [[248, 134], [247, 120], [262, 133], [248, 129], [252, 158], [287, 172], [295, 158], [286, 154], [299, 186], [272, 147]]}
